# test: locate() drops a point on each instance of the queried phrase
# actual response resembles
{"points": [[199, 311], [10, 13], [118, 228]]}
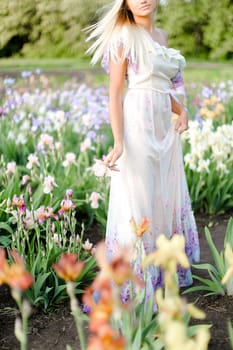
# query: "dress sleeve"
{"points": [[178, 89], [105, 62], [121, 39]]}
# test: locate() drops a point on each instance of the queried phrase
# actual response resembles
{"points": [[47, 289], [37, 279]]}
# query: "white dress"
{"points": [[151, 181]]}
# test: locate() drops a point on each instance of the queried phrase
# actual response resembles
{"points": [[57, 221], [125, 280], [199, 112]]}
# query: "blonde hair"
{"points": [[117, 14]]}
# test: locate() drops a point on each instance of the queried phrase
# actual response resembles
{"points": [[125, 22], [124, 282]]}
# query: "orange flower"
{"points": [[142, 228], [68, 268], [3, 266], [118, 270], [100, 316], [106, 343], [15, 275]]}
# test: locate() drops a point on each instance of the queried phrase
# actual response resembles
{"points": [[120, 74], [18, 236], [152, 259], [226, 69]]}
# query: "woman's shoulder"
{"points": [[163, 36]]}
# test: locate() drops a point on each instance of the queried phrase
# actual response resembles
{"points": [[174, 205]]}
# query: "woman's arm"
{"points": [[177, 108], [182, 121], [116, 92]]}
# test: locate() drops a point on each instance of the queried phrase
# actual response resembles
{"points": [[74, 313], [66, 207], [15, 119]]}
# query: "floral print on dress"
{"points": [[151, 181]]}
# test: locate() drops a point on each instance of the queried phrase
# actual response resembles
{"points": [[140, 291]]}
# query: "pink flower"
{"points": [[94, 198], [46, 140], [66, 205], [32, 161], [49, 184], [25, 179], [69, 193], [11, 168], [100, 169], [70, 159], [43, 213], [87, 245], [19, 202], [86, 144]]}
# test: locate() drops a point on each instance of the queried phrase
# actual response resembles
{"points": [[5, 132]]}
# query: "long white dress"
{"points": [[151, 181]]}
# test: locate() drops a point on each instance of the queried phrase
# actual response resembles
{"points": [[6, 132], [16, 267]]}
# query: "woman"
{"points": [[147, 149]]}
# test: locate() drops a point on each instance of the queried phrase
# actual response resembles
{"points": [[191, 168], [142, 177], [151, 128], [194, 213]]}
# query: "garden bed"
{"points": [[56, 329]]}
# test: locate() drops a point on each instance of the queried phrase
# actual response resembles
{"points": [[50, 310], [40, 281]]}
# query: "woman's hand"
{"points": [[114, 155], [182, 122]]}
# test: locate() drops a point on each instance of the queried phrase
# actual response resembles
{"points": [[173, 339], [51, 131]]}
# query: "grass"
{"points": [[196, 71]]}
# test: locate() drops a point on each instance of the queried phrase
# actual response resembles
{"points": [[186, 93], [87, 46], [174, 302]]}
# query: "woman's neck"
{"points": [[145, 22]]}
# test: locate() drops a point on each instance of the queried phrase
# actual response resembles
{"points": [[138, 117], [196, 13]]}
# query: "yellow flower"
{"points": [[210, 114], [176, 337], [195, 312], [214, 99], [169, 253], [175, 308], [220, 107], [206, 101], [203, 111], [229, 258]]}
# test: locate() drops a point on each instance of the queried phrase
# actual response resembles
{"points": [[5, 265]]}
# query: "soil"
{"points": [[56, 329]]}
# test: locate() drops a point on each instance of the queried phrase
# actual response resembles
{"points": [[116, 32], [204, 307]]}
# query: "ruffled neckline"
{"points": [[167, 52]]}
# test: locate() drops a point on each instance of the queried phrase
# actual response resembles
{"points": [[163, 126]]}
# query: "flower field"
{"points": [[54, 190]]}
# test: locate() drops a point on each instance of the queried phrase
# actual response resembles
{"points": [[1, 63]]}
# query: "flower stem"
{"points": [[76, 312]]}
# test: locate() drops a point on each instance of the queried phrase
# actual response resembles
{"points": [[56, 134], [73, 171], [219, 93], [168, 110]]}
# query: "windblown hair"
{"points": [[116, 16]]}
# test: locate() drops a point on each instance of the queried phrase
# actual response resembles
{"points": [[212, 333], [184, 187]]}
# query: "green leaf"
{"points": [[215, 254], [150, 327], [230, 331], [137, 342], [229, 233], [4, 226], [193, 330], [5, 241]]}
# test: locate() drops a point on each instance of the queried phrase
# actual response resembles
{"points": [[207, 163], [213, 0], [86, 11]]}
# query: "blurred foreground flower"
{"points": [[68, 268], [18, 279], [175, 308], [103, 300], [229, 258], [118, 269], [169, 253], [176, 338]]}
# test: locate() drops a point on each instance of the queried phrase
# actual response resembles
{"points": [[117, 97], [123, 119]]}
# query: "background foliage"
{"points": [[53, 28]]}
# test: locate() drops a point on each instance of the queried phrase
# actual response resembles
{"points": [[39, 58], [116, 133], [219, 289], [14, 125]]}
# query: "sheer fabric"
{"points": [[151, 181]]}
